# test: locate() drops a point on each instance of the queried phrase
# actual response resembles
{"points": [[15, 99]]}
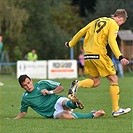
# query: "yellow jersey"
{"points": [[98, 34], [32, 56]]}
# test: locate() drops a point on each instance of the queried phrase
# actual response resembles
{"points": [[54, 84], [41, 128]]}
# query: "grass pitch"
{"points": [[96, 98]]}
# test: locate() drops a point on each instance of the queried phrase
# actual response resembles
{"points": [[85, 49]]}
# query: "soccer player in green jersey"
{"points": [[98, 34], [42, 98]]}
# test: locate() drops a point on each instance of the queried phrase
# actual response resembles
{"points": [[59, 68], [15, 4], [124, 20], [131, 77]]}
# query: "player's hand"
{"points": [[45, 92], [8, 118], [124, 61], [67, 44], [11, 118]]}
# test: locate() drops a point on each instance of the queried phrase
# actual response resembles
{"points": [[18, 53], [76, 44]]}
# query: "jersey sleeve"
{"points": [[24, 107], [80, 34], [113, 30], [48, 84]]}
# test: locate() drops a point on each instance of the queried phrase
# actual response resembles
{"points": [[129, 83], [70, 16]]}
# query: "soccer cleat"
{"points": [[98, 113], [121, 112], [73, 87], [75, 101]]}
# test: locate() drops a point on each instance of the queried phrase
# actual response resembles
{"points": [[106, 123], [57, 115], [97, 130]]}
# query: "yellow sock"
{"points": [[87, 83], [114, 93]]}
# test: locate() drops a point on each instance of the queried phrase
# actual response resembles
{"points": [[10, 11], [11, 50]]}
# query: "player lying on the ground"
{"points": [[42, 98]]}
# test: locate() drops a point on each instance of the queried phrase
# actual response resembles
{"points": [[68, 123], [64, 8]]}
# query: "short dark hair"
{"points": [[22, 78]]}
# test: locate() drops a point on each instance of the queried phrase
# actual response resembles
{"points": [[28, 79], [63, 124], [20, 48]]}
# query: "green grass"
{"points": [[96, 98]]}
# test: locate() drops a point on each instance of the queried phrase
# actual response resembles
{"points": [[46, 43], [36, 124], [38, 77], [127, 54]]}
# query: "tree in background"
{"points": [[93, 9], [85, 6], [45, 25], [42, 25], [50, 22], [11, 24], [107, 7]]}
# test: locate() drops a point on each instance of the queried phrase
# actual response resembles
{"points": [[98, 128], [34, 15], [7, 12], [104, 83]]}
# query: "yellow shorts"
{"points": [[99, 67]]}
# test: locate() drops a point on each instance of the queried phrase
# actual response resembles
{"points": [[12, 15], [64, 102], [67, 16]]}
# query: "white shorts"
{"points": [[58, 106]]}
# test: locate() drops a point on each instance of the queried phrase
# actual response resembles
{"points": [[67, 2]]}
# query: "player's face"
{"points": [[120, 21], [28, 85]]}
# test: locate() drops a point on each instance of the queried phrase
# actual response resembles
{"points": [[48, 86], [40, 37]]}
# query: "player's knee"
{"points": [[96, 83], [65, 115]]}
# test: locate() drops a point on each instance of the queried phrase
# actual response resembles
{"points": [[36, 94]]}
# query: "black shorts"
{"points": [[80, 65]]}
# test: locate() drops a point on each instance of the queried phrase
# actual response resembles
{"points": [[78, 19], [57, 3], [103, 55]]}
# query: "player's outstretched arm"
{"points": [[57, 90]]}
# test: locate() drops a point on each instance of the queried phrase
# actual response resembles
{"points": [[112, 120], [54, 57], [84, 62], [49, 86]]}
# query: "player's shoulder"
{"points": [[24, 94], [110, 21], [48, 82], [105, 19]]}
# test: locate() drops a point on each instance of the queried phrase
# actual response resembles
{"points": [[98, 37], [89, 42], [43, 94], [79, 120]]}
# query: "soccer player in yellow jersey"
{"points": [[98, 34]]}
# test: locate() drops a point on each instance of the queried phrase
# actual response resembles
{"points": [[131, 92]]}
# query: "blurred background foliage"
{"points": [[45, 25]]}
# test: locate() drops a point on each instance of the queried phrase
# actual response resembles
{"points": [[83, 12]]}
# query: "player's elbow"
{"points": [[61, 88]]}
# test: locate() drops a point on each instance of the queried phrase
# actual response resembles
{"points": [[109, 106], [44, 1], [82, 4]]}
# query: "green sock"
{"points": [[69, 104], [82, 116]]}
